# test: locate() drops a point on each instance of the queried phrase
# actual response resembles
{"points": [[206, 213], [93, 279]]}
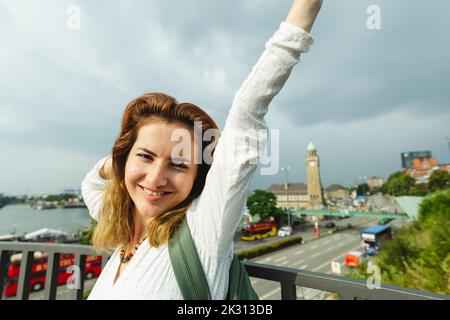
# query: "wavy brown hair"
{"points": [[115, 225]]}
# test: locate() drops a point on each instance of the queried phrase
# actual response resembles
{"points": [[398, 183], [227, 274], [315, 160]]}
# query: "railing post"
{"points": [[80, 262], [4, 255], [288, 291], [26, 264], [51, 278]]}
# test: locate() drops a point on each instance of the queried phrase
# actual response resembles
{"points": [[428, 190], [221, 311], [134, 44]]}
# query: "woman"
{"points": [[141, 193]]}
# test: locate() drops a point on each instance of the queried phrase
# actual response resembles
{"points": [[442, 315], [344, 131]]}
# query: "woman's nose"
{"points": [[156, 176]]}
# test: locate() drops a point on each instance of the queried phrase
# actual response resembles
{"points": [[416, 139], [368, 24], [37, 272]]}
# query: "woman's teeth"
{"points": [[152, 193]]}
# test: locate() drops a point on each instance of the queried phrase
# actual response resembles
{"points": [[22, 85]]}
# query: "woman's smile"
{"points": [[154, 196]]}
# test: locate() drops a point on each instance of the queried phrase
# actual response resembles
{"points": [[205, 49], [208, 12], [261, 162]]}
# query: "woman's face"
{"points": [[155, 181]]}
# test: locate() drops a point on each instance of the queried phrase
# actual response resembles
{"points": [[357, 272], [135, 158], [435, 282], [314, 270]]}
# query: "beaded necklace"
{"points": [[125, 259]]}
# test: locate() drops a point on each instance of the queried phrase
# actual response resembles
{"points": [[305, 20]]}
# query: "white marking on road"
{"points": [[334, 259], [281, 259], [270, 293], [327, 241], [315, 255], [283, 263], [299, 262], [268, 259], [299, 252], [314, 246]]}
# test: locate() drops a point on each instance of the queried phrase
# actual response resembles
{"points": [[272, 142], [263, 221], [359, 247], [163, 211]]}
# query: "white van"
{"points": [[285, 231]]}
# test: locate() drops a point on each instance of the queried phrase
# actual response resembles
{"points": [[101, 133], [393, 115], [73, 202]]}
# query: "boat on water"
{"points": [[9, 237], [44, 205], [74, 203], [46, 235]]}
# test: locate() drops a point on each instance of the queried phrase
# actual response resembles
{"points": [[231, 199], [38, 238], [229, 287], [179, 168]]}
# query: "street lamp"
{"points": [[286, 188]]}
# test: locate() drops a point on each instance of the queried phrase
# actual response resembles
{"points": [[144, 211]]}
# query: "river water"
{"points": [[21, 219]]}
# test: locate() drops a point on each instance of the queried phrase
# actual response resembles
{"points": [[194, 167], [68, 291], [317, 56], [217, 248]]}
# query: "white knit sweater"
{"points": [[214, 216]]}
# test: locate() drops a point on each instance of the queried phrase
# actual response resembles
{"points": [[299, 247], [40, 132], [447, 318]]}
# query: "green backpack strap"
{"points": [[187, 266], [190, 274], [240, 286]]}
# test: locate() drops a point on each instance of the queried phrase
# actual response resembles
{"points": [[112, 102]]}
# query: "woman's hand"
{"points": [[303, 13], [105, 170]]}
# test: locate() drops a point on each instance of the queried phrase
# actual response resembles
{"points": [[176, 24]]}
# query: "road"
{"points": [[315, 256], [306, 231]]}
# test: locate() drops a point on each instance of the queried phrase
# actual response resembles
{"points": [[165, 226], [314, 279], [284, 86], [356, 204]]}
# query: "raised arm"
{"points": [[216, 214], [303, 13], [94, 184]]}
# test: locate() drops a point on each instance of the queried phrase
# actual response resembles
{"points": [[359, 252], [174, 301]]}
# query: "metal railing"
{"points": [[54, 253], [347, 288], [289, 279]]}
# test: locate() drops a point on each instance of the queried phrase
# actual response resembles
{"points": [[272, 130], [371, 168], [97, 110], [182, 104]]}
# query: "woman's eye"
{"points": [[145, 156], [180, 165]]}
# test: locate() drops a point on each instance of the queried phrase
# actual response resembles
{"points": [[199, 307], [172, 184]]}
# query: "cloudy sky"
{"points": [[362, 96]]}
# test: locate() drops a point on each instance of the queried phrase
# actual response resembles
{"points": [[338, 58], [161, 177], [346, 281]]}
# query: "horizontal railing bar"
{"points": [[45, 247], [339, 284], [360, 289]]}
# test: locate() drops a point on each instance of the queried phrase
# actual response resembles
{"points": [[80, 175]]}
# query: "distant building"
{"points": [[294, 197], [336, 192], [417, 159], [421, 164], [375, 182], [300, 196]]}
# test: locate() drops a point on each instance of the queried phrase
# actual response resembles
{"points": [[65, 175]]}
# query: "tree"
{"points": [[85, 236], [419, 256], [399, 183], [362, 189], [439, 180], [263, 203]]}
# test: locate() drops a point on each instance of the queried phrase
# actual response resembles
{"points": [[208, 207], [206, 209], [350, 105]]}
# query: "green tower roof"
{"points": [[311, 146]]}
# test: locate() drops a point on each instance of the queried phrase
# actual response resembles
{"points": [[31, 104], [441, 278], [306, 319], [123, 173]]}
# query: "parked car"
{"points": [[285, 231]]}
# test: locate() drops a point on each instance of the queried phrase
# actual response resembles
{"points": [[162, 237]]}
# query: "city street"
{"points": [[315, 256]]}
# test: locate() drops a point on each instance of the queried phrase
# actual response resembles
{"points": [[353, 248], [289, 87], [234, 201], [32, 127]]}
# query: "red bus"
{"points": [[259, 230], [39, 267]]}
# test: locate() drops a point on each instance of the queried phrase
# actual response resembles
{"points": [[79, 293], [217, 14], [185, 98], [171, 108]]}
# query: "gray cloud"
{"points": [[63, 91]]}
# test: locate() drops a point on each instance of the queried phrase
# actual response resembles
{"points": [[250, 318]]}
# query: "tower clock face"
{"points": [[312, 163]]}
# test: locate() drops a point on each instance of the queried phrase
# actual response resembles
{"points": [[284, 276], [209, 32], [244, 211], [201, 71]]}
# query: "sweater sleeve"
{"points": [[92, 189], [214, 216]]}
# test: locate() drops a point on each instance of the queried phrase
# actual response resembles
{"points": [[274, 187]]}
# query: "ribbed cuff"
{"points": [[293, 37]]}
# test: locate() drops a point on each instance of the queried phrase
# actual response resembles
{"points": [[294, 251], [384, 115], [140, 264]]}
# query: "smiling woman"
{"points": [[149, 190], [145, 192]]}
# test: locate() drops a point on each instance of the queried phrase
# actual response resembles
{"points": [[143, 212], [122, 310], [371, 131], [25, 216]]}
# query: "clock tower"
{"points": [[314, 186]]}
